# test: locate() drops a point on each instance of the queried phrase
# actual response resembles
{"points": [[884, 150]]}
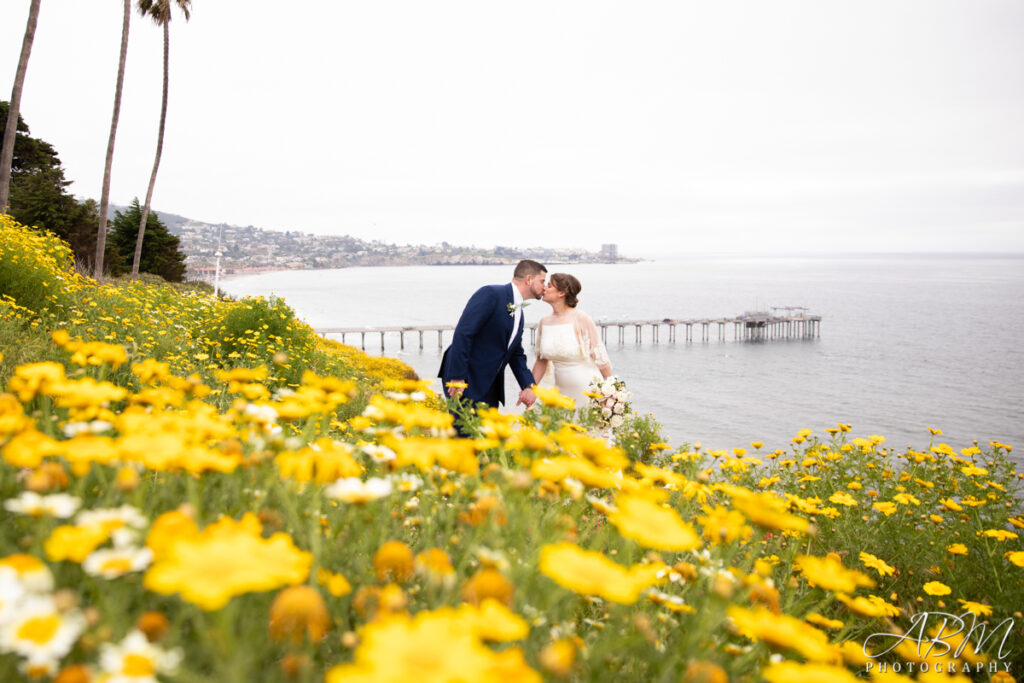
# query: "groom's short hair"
{"points": [[526, 267]]}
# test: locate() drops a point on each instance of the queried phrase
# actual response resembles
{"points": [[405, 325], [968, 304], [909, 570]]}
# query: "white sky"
{"points": [[665, 126]]}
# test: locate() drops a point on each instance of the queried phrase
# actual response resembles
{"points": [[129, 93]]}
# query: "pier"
{"points": [[753, 326]]}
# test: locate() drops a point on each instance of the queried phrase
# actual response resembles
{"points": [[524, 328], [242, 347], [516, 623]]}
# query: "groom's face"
{"points": [[535, 283]]}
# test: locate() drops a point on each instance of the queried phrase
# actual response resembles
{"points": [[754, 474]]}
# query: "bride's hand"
{"points": [[526, 397]]}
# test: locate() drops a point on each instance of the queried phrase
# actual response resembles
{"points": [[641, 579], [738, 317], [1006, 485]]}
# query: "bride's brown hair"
{"points": [[568, 285]]}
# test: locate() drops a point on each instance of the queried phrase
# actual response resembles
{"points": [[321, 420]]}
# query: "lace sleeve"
{"points": [[590, 341], [536, 344]]}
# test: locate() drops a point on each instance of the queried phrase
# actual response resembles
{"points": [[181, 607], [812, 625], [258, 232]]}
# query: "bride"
{"points": [[568, 341]]}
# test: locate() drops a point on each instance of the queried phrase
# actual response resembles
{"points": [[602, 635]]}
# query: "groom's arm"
{"points": [[522, 373], [478, 309]]}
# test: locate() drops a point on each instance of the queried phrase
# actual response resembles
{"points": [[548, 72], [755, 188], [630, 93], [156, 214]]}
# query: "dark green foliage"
{"points": [[39, 196], [637, 433], [161, 253]]}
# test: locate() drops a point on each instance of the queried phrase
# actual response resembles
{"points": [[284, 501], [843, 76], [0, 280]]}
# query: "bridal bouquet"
{"points": [[609, 401]]}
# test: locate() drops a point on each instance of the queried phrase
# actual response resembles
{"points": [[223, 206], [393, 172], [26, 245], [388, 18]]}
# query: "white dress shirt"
{"points": [[517, 301]]}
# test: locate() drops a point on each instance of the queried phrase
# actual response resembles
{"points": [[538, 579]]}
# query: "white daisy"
{"points": [[114, 520], [60, 505], [32, 572], [407, 483], [39, 632], [115, 562], [378, 453], [11, 593], [355, 490], [136, 660]]}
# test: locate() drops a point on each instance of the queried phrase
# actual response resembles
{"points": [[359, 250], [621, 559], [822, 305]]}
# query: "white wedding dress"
{"points": [[573, 359]]}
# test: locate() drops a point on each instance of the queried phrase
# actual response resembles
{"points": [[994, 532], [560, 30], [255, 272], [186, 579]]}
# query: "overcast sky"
{"points": [[663, 126]]}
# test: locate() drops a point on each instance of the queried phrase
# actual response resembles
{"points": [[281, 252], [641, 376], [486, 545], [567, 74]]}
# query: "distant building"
{"points": [[610, 251]]}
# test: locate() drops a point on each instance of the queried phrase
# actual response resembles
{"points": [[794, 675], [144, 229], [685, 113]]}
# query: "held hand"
{"points": [[456, 387], [526, 397]]}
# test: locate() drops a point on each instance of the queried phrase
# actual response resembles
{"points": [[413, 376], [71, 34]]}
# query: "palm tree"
{"points": [[101, 235], [7, 156], [160, 12]]}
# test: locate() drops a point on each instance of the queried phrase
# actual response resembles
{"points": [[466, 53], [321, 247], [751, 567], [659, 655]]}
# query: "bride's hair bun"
{"points": [[568, 285]]}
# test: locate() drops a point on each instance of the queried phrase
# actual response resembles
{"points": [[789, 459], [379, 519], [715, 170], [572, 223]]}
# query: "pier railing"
{"points": [[754, 327]]}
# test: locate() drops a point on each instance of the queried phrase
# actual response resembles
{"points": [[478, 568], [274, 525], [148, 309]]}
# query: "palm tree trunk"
{"points": [[101, 234], [156, 162], [10, 131]]}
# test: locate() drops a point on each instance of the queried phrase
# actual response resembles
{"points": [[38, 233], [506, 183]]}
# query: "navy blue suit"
{"points": [[480, 349]]}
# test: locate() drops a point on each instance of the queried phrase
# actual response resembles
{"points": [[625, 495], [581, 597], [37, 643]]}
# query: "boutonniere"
{"points": [[511, 308]]}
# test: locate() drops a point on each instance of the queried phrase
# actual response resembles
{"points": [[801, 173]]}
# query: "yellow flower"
{"points": [[998, 534], [12, 415], [842, 498], [297, 612], [565, 467], [879, 565], [169, 528], [906, 499], [75, 543], [885, 507], [937, 588], [553, 397], [1016, 557], [869, 606], [722, 525], [225, 559], [393, 560], [591, 573], [558, 657], [829, 574], [435, 565], [652, 525], [35, 378], [767, 510], [951, 504], [337, 585], [792, 672], [824, 622], [457, 455], [488, 584], [976, 608], [28, 449], [492, 620], [324, 461], [956, 549], [432, 647], [782, 632]]}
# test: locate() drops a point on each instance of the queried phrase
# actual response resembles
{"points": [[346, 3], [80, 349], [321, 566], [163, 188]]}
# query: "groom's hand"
{"points": [[456, 387], [526, 397]]}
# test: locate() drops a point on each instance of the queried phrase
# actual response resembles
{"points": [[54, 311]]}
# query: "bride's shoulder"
{"points": [[582, 316]]}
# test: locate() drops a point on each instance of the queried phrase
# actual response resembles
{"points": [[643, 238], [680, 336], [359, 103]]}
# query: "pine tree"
{"points": [[161, 254]]}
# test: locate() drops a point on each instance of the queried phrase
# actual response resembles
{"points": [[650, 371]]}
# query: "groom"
{"points": [[489, 336]]}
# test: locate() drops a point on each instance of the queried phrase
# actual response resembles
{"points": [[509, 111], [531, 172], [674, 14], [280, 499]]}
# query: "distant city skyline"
{"points": [[668, 127]]}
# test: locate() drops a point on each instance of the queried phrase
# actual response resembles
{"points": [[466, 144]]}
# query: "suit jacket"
{"points": [[480, 349]]}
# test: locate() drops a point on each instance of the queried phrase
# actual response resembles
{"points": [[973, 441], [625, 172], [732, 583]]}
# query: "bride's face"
{"points": [[551, 294]]}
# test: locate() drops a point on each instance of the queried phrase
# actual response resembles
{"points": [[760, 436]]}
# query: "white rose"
{"points": [[607, 390], [606, 412], [621, 396], [616, 421], [618, 409]]}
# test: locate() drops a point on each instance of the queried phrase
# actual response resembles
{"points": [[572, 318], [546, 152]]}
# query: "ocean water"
{"points": [[907, 342]]}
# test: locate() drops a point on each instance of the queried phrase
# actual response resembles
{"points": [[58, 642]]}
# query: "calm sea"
{"points": [[907, 342]]}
